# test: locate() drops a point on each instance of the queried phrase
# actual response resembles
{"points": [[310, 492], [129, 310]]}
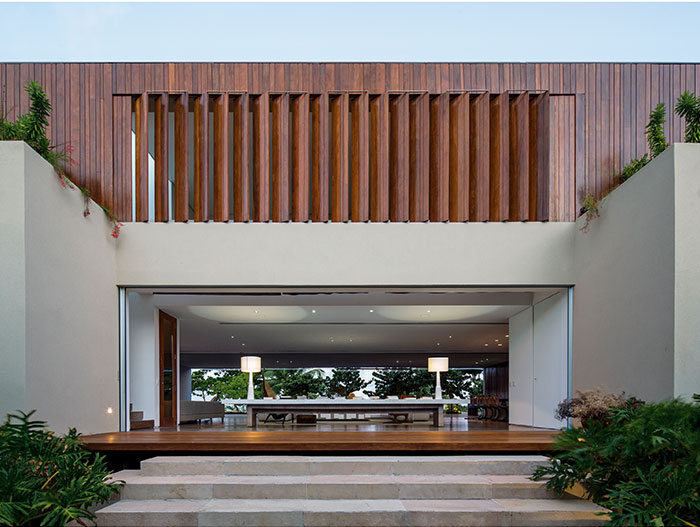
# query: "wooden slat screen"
{"points": [[342, 157], [597, 114]]}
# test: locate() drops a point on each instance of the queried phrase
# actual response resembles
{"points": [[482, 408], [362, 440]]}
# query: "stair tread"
{"points": [[335, 459], [134, 477], [358, 505]]}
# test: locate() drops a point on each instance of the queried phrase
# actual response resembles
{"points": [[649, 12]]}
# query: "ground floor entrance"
{"points": [[194, 360]]}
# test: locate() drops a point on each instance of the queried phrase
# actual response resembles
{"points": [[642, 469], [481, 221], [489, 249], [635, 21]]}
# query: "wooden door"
{"points": [[168, 369]]}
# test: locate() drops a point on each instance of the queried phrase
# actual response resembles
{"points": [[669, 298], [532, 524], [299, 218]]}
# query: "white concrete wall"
{"points": [[288, 254], [12, 279], [550, 346], [70, 312], [624, 294], [520, 368], [687, 271], [143, 355]]}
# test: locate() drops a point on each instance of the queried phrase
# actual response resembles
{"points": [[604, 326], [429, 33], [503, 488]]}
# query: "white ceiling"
{"points": [[353, 328]]}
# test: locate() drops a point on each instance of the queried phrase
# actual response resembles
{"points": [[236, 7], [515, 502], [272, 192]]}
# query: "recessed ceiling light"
{"points": [[449, 336], [313, 311], [438, 343], [507, 336], [496, 340], [350, 340], [397, 362], [256, 311], [233, 337], [486, 345], [243, 344], [371, 310], [278, 362], [500, 344], [428, 310]]}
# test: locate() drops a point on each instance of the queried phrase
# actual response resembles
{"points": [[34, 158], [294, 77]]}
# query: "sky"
{"points": [[298, 32]]}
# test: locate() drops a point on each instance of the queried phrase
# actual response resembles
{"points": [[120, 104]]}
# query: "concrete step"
{"points": [[363, 486], [338, 465], [350, 512]]}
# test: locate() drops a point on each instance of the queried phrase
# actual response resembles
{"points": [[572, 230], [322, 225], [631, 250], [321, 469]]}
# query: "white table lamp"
{"points": [[438, 364], [250, 365]]}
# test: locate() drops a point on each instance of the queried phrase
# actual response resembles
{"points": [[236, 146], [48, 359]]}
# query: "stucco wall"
{"points": [[624, 293], [286, 254], [143, 355], [70, 307], [687, 268], [12, 279]]}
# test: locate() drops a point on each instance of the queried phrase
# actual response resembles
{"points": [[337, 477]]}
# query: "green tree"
{"points": [[222, 384], [461, 383], [344, 381], [403, 382], [296, 381]]}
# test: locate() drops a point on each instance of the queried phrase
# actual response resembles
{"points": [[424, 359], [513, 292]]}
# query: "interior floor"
{"points": [[453, 423]]}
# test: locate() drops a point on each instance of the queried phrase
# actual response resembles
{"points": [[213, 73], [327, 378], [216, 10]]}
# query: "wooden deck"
{"points": [[314, 441]]}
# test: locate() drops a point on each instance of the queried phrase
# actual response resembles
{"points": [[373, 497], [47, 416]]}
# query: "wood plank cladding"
{"points": [[540, 136]]}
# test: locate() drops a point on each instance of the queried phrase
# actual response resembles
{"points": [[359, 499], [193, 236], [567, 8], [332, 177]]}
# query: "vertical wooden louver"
{"points": [[141, 151], [241, 203], [419, 157], [160, 157], [319, 157], [299, 105], [261, 159], [182, 160], [279, 157], [398, 157], [456, 156], [220, 104], [379, 158], [340, 177], [459, 157], [359, 163], [439, 157], [201, 158]]}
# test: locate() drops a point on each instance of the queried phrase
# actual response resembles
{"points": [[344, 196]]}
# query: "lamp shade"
{"points": [[250, 364], [438, 363]]}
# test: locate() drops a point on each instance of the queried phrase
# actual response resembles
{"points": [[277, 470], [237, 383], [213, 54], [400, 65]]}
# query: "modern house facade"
{"points": [[351, 189]]}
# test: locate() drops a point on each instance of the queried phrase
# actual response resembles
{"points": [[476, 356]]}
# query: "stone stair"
{"points": [[347, 491]]}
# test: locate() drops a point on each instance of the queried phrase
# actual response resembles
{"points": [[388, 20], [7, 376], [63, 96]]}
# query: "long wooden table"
{"points": [[365, 406]]}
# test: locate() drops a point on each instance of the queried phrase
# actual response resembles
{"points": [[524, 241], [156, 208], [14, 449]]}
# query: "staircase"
{"points": [[348, 491], [137, 421]]}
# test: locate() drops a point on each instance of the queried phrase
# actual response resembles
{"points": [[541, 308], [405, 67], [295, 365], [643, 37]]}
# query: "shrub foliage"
{"points": [[46, 479], [641, 461]]}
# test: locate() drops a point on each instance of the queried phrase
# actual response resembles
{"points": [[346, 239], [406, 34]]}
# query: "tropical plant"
{"points": [[46, 479], [688, 107], [31, 128], [344, 381], [655, 130], [631, 168], [641, 461], [419, 382], [590, 404]]}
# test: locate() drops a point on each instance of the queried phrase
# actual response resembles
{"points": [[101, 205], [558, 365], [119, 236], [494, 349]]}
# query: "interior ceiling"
{"points": [[345, 328]]}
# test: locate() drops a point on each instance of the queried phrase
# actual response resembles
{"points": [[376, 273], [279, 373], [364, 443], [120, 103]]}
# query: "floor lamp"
{"points": [[438, 364], [250, 365]]}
